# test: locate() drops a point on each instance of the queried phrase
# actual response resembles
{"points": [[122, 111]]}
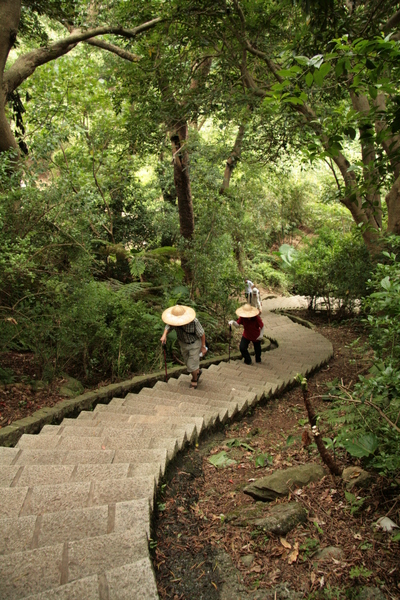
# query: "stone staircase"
{"points": [[76, 499]]}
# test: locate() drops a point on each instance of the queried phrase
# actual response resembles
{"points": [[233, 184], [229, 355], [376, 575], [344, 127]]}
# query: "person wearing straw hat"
{"points": [[252, 331], [190, 334]]}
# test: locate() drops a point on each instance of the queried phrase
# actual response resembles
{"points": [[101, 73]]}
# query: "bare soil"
{"points": [[199, 553]]}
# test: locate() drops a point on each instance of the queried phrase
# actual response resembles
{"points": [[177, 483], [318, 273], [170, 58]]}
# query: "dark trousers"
{"points": [[248, 298], [244, 349]]}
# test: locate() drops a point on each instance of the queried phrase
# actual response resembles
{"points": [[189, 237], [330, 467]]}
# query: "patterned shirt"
{"points": [[188, 333]]}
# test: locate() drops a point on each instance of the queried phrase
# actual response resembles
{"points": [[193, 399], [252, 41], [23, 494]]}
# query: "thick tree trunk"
{"points": [[180, 156], [10, 11]]}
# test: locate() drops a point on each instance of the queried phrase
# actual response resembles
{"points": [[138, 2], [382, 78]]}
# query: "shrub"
{"points": [[368, 418], [332, 266]]}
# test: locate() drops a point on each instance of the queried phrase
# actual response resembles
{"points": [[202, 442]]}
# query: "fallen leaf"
{"points": [[386, 524], [357, 536], [103, 447], [256, 569], [285, 543], [294, 554], [313, 577]]}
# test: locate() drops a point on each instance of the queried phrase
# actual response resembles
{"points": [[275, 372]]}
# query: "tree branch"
{"points": [[25, 65]]}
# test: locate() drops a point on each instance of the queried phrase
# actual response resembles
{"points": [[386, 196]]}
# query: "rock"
{"points": [[282, 518], [277, 485], [329, 552], [248, 560], [370, 593], [71, 387], [356, 477], [38, 385]]}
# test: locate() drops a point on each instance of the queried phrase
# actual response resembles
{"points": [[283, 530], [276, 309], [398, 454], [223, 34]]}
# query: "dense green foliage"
{"points": [[91, 249], [333, 267], [369, 416]]}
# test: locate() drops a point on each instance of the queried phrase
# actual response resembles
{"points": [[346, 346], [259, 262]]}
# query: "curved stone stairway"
{"points": [[76, 499]]}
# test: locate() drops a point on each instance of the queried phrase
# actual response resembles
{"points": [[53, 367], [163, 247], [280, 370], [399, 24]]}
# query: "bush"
{"points": [[333, 267], [369, 427], [90, 331], [264, 273]]}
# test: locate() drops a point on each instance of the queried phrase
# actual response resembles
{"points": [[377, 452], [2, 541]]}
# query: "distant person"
{"points": [[252, 331], [256, 299], [249, 285], [191, 337]]}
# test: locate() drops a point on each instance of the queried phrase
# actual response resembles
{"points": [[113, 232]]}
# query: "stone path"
{"points": [[76, 499]]}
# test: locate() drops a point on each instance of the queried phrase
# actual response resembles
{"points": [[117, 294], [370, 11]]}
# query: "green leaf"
{"points": [[324, 69], [302, 60], [385, 283], [362, 446], [309, 79], [373, 92], [263, 459], [221, 460]]}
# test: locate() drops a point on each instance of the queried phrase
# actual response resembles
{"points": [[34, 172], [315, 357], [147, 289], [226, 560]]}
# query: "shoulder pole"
{"points": [[165, 363]]}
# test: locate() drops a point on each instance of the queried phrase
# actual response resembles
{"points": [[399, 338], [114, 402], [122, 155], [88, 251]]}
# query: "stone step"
{"points": [[220, 409], [103, 418], [31, 475], [24, 501], [215, 385], [91, 457], [134, 581], [50, 528], [230, 397], [101, 424], [172, 389], [43, 569], [153, 407], [256, 372], [8, 455], [113, 439], [202, 401]]}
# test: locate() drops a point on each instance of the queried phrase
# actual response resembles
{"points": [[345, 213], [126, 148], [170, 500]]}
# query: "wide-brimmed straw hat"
{"points": [[178, 315], [247, 311]]}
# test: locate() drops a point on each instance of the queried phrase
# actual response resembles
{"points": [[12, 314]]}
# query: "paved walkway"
{"points": [[76, 499]]}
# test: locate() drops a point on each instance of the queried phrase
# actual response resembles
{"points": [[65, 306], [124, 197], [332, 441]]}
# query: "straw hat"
{"points": [[247, 311], [178, 315]]}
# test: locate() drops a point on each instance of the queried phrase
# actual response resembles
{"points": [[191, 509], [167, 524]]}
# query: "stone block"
{"points": [[122, 490], [96, 555], [11, 501], [44, 475], [7, 474], [56, 498], [8, 455], [72, 525], [89, 456], [30, 572], [131, 513], [16, 534], [82, 589], [98, 472], [135, 581]]}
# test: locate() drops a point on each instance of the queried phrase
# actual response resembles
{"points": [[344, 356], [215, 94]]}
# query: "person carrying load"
{"points": [[253, 331]]}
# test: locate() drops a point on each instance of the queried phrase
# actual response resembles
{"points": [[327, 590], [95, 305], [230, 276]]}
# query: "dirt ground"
{"points": [[200, 554]]}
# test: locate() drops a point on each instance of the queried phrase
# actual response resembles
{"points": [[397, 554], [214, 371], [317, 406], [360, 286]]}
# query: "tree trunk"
{"points": [[180, 158], [233, 159], [10, 12]]}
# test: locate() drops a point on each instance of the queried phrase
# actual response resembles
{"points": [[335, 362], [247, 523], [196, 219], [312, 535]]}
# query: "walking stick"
{"points": [[165, 363], [230, 333]]}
